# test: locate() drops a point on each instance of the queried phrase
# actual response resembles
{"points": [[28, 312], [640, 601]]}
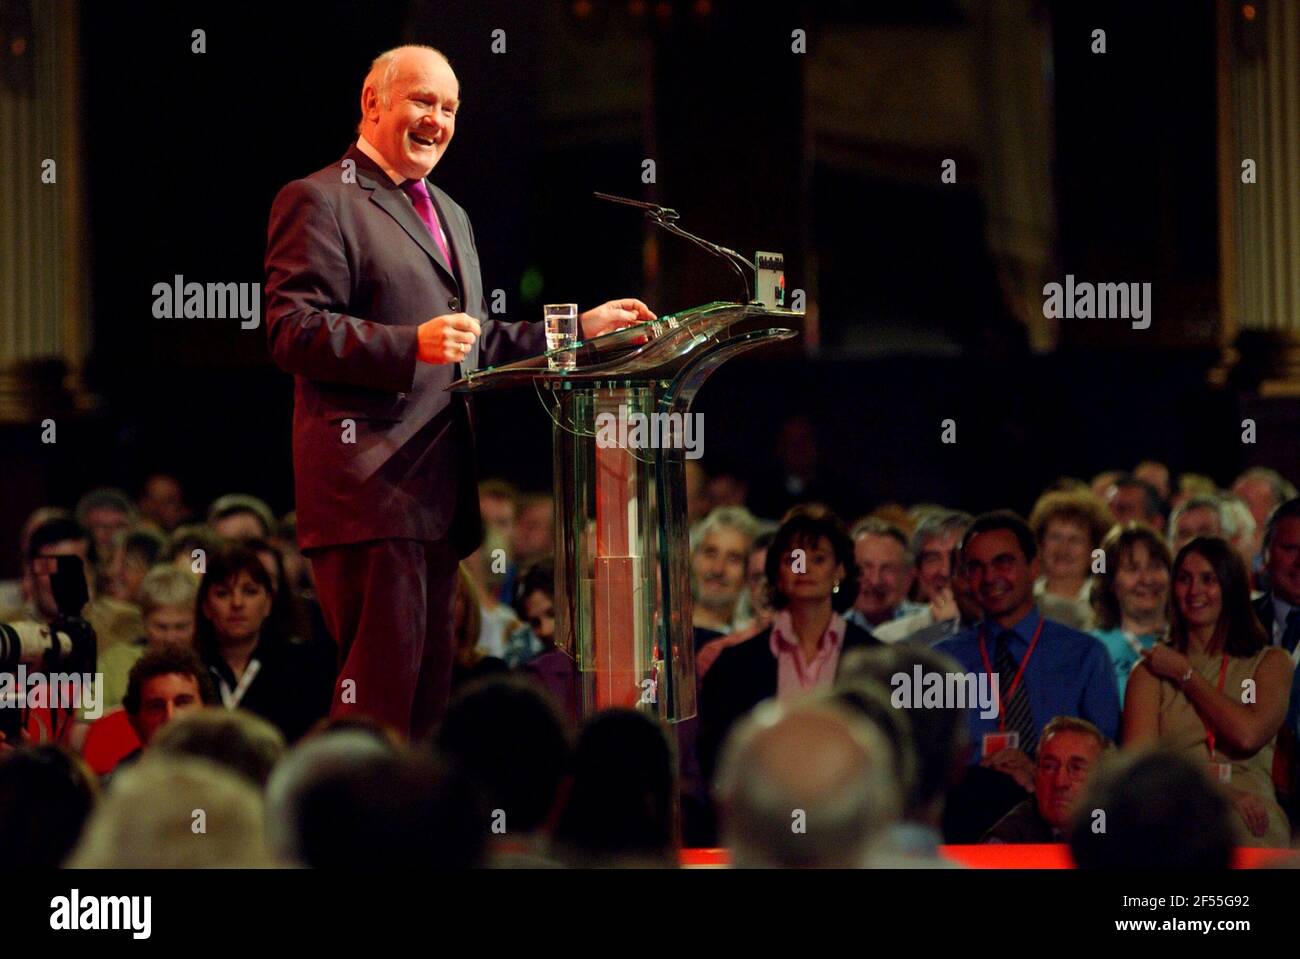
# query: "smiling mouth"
{"points": [[421, 140]]}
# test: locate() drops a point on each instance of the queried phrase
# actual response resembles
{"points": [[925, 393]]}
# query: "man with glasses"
{"points": [[1068, 750], [885, 574]]}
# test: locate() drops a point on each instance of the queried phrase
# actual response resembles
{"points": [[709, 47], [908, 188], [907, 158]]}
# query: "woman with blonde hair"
{"points": [[1130, 596]]}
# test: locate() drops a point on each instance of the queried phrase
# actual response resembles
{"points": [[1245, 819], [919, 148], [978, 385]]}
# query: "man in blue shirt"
{"points": [[1044, 669]]}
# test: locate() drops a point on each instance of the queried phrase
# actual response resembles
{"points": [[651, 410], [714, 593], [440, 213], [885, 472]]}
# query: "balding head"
{"points": [[809, 785], [408, 108]]}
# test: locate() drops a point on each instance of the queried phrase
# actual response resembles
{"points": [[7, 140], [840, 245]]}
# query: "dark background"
{"points": [[185, 152]]}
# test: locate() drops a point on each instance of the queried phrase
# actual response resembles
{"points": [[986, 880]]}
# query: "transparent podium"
{"points": [[622, 434]]}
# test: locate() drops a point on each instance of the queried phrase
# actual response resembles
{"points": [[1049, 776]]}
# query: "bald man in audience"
{"points": [[809, 785]]}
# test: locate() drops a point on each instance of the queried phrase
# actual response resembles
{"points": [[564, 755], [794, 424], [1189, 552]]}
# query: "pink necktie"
{"points": [[419, 194]]}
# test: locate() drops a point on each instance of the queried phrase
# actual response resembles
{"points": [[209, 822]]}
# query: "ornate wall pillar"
{"points": [[44, 301]]}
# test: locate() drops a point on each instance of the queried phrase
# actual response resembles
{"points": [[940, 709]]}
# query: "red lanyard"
{"points": [[1209, 730], [988, 668]]}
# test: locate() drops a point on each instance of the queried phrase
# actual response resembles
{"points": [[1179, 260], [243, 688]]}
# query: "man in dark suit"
{"points": [[375, 304], [1279, 610]]}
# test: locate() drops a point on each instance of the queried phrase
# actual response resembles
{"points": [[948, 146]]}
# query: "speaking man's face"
{"points": [[414, 128]]}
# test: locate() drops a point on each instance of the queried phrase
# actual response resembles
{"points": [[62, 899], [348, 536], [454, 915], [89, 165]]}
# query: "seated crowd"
{"points": [[867, 692]]}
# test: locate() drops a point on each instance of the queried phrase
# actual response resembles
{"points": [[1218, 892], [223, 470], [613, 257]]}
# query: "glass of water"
{"points": [[561, 331]]}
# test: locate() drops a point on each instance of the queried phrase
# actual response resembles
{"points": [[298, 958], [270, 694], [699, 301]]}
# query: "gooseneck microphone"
{"points": [[666, 217]]}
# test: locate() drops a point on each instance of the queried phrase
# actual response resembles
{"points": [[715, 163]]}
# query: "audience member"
{"points": [[379, 809], [297, 569], [720, 545], [1197, 516], [532, 538], [1133, 500], [105, 512], [939, 741], [1263, 490], [534, 605], [162, 501], [166, 598], [164, 683], [253, 663], [133, 553], [511, 738], [1102, 483], [1068, 527], [871, 700], [1278, 609], [969, 612], [811, 580], [1193, 484], [190, 546], [936, 535], [498, 503], [885, 573], [1068, 749], [288, 616], [622, 807], [1161, 812], [147, 820], [470, 662], [1216, 692], [1156, 474], [46, 795], [1043, 669], [487, 567], [1239, 529], [754, 611], [231, 738], [1130, 596], [238, 516], [805, 785]]}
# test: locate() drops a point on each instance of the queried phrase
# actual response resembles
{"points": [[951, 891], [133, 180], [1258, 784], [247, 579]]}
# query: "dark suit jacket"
{"points": [[351, 272], [742, 677], [1266, 613]]}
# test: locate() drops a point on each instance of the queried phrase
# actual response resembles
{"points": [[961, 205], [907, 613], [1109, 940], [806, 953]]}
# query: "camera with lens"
{"points": [[65, 645]]}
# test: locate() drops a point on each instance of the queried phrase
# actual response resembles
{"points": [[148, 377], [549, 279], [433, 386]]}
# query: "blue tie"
{"points": [[1291, 633]]}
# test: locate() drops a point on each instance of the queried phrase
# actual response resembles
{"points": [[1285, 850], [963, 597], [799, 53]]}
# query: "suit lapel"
{"points": [[389, 198], [471, 284]]}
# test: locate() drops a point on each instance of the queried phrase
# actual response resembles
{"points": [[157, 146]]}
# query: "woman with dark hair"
{"points": [[1130, 597], [812, 579], [255, 664], [288, 615], [621, 808], [1216, 691]]}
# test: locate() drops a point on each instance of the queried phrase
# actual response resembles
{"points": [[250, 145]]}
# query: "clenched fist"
{"points": [[447, 338]]}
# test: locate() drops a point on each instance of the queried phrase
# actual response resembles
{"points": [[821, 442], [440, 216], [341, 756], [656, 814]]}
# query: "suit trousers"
{"points": [[389, 604]]}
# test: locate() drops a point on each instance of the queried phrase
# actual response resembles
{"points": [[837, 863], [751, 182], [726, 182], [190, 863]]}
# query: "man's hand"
{"points": [[614, 315], [943, 605], [1015, 764], [447, 338]]}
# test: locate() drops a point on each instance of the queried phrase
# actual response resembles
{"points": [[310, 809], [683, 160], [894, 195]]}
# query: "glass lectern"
{"points": [[622, 435]]}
